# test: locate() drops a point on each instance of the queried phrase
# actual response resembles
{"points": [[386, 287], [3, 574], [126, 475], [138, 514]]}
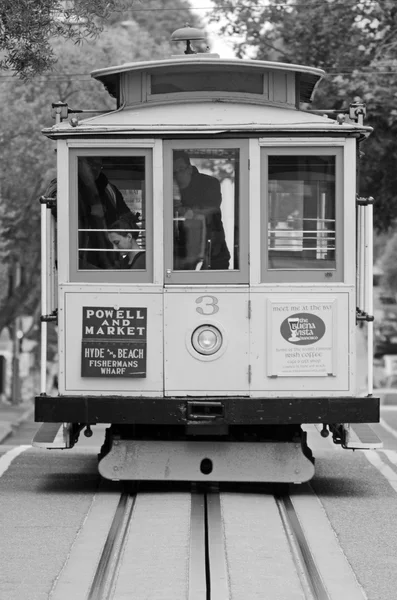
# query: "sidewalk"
{"points": [[13, 415]]}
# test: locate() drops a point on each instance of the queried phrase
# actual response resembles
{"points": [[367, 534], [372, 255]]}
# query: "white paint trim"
{"points": [[111, 143], [348, 210], [63, 214], [8, 457], [157, 212], [254, 193], [301, 141]]}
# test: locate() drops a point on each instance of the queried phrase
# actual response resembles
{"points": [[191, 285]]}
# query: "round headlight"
{"points": [[207, 339]]}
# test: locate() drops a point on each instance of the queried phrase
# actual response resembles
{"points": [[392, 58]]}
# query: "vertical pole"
{"points": [[370, 299], [364, 273], [321, 223], [15, 387], [15, 383], [43, 361], [361, 212], [358, 255]]}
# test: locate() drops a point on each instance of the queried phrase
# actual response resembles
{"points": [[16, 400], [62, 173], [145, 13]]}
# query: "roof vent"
{"points": [[186, 34]]}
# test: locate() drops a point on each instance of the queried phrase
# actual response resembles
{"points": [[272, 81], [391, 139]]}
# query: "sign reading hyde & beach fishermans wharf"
{"points": [[114, 342]]}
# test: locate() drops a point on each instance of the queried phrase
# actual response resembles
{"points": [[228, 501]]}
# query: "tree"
{"points": [[27, 157], [159, 17], [355, 42], [389, 265], [27, 27]]}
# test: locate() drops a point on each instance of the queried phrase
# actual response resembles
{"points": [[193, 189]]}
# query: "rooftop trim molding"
{"points": [[197, 60]]}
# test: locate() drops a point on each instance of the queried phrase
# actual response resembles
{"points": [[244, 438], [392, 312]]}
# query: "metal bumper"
{"points": [[279, 462], [228, 411]]}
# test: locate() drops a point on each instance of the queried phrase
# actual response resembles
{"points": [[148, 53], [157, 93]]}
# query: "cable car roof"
{"points": [[307, 79], [210, 118], [192, 93]]}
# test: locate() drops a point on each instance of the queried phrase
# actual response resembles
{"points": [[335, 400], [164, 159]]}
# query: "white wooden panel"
{"points": [[132, 84], [305, 368], [280, 87], [63, 211], [349, 207], [186, 371]]}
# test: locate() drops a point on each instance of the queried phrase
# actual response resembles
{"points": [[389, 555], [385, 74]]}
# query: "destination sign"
{"points": [[114, 342]]}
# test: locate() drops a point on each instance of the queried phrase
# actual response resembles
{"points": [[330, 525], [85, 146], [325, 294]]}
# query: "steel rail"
{"points": [[105, 575], [311, 580], [216, 551], [198, 569], [208, 578]]}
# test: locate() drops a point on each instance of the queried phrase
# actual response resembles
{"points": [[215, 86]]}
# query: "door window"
{"points": [[208, 230]]}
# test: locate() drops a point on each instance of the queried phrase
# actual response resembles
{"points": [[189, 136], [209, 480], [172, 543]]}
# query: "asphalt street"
{"points": [[46, 496]]}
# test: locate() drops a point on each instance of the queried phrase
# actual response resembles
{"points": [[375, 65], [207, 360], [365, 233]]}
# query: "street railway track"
{"points": [[310, 577], [209, 554], [229, 545], [103, 583]]}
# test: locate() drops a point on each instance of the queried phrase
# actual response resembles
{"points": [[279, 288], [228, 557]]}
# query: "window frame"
{"points": [[301, 274], [240, 276], [108, 275], [184, 71]]}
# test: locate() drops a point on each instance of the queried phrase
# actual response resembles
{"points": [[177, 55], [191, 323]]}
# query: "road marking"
{"points": [[391, 455], [385, 470], [75, 577], [8, 457], [387, 427], [332, 563]]}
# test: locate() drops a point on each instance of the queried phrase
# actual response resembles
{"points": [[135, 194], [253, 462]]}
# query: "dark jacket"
{"points": [[111, 199], [203, 194], [138, 262], [113, 206]]}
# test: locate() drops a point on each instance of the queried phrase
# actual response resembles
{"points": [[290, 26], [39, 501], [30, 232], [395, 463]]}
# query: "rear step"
{"points": [[361, 436], [53, 435]]}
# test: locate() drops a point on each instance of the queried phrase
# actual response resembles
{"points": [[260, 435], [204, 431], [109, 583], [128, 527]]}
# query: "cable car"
{"points": [[207, 261]]}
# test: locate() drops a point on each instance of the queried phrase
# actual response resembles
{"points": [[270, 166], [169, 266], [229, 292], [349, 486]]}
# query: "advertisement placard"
{"points": [[301, 341]]}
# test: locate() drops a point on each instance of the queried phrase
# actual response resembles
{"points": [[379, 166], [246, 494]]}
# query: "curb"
{"points": [[7, 429], [5, 432]]}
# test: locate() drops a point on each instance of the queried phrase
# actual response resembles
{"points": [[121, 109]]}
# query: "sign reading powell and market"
{"points": [[301, 340], [114, 342]]}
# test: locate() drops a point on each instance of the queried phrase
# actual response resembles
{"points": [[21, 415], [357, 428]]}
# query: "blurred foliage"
{"points": [[389, 265], [380, 241], [160, 17], [355, 42], [28, 158], [28, 27]]}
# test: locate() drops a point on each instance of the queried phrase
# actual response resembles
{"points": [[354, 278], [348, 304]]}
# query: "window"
{"points": [[112, 215], [206, 235], [301, 195], [208, 81]]}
